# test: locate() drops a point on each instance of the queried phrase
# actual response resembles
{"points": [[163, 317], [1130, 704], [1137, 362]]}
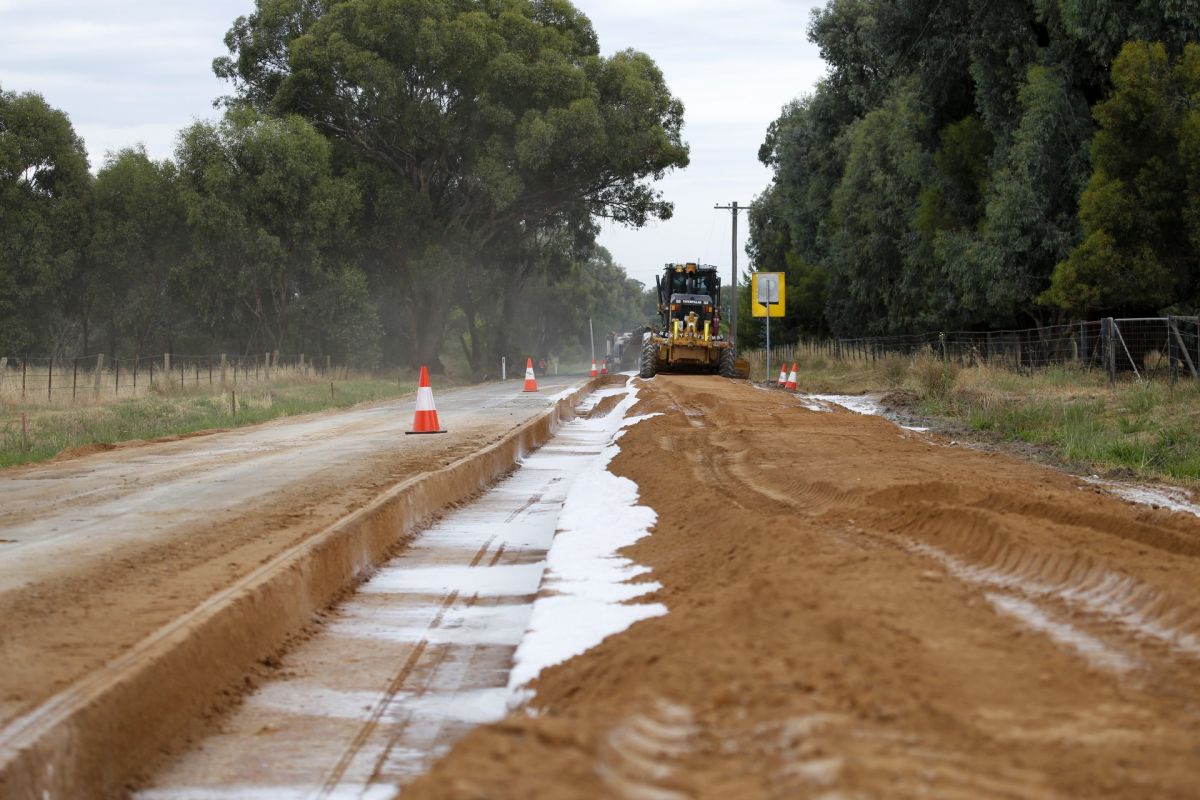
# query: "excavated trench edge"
{"points": [[91, 738]]}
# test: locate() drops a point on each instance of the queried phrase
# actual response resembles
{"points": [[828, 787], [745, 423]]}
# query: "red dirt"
{"points": [[846, 604]]}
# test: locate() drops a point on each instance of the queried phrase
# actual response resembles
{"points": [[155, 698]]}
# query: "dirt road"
{"points": [[857, 610], [98, 551]]}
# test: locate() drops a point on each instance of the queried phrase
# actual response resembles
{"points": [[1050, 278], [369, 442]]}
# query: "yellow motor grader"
{"points": [[688, 336]]}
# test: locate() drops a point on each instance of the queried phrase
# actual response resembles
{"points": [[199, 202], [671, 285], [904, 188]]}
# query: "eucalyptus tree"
{"points": [[988, 165], [44, 187], [1140, 211], [269, 225], [484, 117], [138, 241]]}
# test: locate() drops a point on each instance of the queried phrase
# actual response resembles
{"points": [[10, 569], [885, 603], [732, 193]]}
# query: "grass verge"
{"points": [[52, 430], [1133, 429]]}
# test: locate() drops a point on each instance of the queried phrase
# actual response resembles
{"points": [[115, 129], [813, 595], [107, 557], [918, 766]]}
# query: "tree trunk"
{"points": [[429, 332], [472, 352], [112, 336]]}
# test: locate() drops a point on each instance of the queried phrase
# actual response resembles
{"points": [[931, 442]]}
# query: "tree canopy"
{"points": [[394, 180], [483, 125], [44, 184], [961, 153]]}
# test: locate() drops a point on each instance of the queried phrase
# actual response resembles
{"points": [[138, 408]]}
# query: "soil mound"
{"points": [[863, 610]]}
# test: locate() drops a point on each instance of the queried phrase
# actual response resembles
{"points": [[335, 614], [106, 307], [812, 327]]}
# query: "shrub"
{"points": [[933, 377]]}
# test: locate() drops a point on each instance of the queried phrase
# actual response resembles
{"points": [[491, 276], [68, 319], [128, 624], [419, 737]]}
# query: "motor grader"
{"points": [[688, 336]]}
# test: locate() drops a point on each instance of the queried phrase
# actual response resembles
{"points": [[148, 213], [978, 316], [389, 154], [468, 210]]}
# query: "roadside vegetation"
{"points": [[1148, 430], [968, 165], [49, 430], [1151, 430], [391, 183]]}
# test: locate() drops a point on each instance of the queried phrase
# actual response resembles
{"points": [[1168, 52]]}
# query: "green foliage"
{"points": [[936, 172], [1029, 223], [269, 222], [390, 176], [933, 377], [874, 285], [139, 238], [484, 128], [44, 188], [1140, 250]]}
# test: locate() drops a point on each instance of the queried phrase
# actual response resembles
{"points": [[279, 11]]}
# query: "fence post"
{"points": [[3, 372], [96, 377], [1107, 341], [24, 375], [167, 364], [328, 363], [74, 377], [1171, 372], [222, 371]]}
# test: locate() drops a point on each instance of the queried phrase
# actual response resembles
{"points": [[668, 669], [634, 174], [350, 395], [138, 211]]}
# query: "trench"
{"points": [[421, 653]]}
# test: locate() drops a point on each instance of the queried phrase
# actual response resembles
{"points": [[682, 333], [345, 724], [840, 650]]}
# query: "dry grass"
{"points": [[48, 429], [1149, 429]]}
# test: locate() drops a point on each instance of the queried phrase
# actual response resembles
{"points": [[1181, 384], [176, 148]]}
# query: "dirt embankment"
{"points": [[866, 611]]}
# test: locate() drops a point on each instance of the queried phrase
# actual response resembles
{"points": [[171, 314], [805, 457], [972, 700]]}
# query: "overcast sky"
{"points": [[140, 70]]}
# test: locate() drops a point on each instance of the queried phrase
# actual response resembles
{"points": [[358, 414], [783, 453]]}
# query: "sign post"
{"points": [[767, 300]]}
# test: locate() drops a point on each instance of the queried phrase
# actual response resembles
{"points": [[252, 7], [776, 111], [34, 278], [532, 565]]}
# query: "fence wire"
{"points": [[1144, 348], [48, 379]]}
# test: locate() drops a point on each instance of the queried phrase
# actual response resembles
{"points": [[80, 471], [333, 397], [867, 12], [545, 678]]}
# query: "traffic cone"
{"points": [[425, 420], [593, 367], [782, 375], [530, 381], [604, 367], [791, 380]]}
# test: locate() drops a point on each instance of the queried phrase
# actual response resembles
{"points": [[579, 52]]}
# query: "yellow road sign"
{"points": [[767, 290]]}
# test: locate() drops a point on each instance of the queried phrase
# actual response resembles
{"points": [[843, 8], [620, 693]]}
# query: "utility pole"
{"points": [[733, 208]]}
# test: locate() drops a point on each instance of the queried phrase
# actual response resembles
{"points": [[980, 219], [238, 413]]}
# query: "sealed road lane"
{"points": [[99, 551]]}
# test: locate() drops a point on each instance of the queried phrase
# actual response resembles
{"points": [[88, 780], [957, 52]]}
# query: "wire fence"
{"points": [[1142, 348], [66, 381]]}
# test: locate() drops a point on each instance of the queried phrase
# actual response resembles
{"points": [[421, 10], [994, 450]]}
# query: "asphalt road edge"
{"points": [[91, 738]]}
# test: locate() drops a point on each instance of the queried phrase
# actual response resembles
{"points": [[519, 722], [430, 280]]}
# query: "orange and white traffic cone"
{"points": [[782, 375], [593, 367], [604, 367], [426, 419], [791, 380], [530, 381]]}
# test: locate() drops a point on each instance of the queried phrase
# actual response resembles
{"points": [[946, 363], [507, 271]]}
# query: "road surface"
{"points": [[98, 551]]}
